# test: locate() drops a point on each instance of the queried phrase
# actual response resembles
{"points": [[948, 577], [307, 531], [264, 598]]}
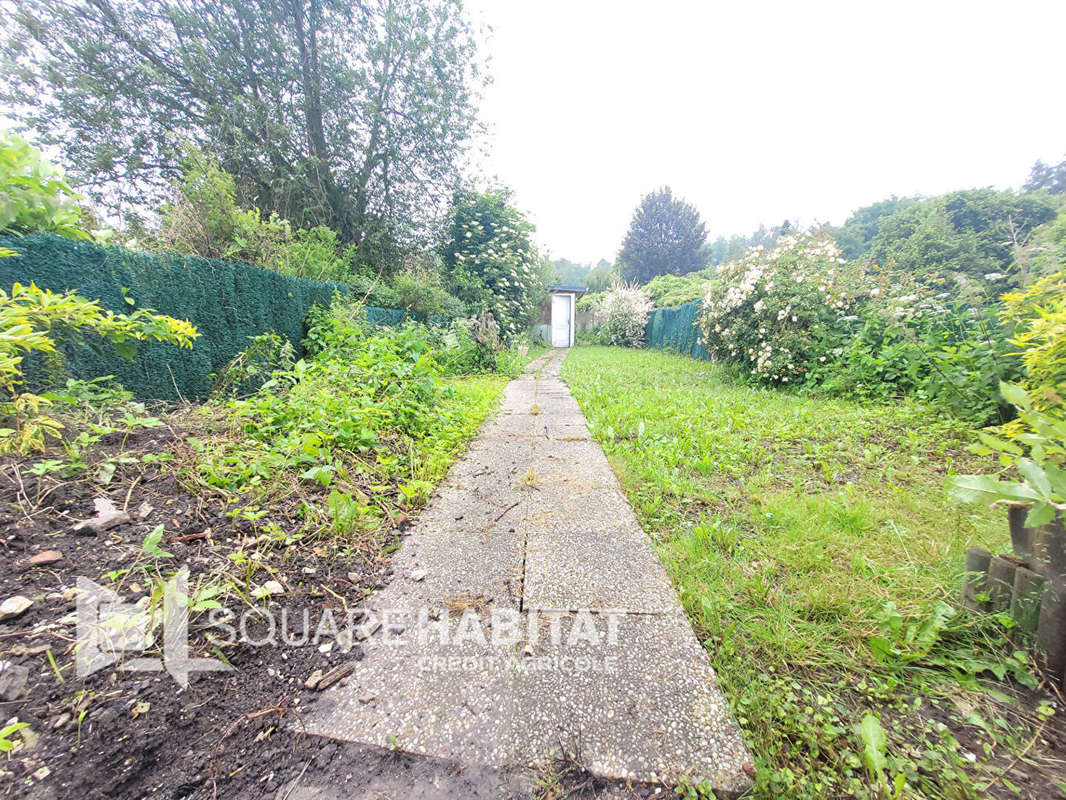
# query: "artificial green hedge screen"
{"points": [[676, 329], [227, 302]]}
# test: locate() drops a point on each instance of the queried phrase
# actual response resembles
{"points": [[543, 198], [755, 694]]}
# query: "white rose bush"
{"points": [[777, 312], [623, 310]]}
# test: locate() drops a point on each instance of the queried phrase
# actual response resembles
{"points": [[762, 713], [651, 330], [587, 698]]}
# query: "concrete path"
{"points": [[529, 617]]}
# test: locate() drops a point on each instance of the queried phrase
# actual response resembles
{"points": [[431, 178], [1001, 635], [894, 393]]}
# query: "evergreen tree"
{"points": [[665, 237]]}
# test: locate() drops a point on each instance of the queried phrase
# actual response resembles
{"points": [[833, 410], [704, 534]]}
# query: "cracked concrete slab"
{"points": [[529, 615]]}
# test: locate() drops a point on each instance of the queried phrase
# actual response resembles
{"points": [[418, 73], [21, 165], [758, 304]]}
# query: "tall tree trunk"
{"points": [[311, 80]]}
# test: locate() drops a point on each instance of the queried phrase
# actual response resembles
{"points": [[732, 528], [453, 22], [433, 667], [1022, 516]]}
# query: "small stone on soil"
{"points": [[269, 588], [107, 516], [13, 679], [47, 557], [14, 606], [419, 575]]}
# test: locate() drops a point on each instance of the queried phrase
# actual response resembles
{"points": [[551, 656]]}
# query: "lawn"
{"points": [[819, 558]]}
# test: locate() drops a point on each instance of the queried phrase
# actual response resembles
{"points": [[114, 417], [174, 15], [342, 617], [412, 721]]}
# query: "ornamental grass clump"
{"points": [[777, 312], [624, 310]]}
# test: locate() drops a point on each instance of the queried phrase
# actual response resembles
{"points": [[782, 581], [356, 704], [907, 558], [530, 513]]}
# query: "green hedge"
{"points": [[227, 302], [677, 329]]}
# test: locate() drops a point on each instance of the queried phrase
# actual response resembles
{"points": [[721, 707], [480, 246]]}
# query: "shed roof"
{"points": [[560, 287]]}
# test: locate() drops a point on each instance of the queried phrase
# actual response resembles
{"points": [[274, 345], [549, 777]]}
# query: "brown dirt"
{"points": [[124, 734]]}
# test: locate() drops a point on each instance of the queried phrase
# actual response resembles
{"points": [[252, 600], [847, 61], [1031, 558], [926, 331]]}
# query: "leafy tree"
{"points": [[569, 272], [600, 278], [349, 114], [491, 261], [665, 237], [858, 230], [1047, 177], [968, 236]]}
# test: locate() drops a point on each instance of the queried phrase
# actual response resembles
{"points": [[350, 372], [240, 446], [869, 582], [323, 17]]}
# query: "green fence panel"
{"points": [[226, 301], [677, 329]]}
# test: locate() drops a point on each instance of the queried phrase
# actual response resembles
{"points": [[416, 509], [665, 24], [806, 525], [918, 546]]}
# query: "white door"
{"points": [[560, 320]]}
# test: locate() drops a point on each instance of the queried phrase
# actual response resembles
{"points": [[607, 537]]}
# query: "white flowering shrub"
{"points": [[492, 262], [777, 312], [624, 311]]}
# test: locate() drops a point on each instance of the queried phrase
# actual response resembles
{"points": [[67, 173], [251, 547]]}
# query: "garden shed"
{"points": [[558, 315]]}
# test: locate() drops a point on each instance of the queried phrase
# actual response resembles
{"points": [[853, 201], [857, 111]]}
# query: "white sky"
{"points": [[761, 111]]}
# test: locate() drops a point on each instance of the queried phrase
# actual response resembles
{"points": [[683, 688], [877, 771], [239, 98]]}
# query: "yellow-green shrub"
{"points": [[1038, 316], [28, 318]]}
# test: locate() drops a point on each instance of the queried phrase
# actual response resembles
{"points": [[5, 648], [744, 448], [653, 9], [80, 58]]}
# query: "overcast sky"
{"points": [[762, 111]]}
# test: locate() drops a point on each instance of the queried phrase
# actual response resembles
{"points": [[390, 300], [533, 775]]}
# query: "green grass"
{"points": [[819, 559]]}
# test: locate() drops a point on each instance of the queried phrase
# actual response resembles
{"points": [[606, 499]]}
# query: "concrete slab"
{"points": [[568, 568], [632, 694], [530, 523]]}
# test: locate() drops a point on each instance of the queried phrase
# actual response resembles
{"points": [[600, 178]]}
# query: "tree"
{"points": [[665, 237], [350, 114], [491, 261], [858, 230], [600, 278], [973, 233], [1050, 178], [570, 272]]}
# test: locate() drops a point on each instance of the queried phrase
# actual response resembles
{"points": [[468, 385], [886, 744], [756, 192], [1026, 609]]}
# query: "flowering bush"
{"points": [[624, 313], [778, 312], [492, 261]]}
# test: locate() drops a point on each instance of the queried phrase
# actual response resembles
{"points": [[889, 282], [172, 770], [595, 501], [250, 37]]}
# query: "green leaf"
{"points": [[1035, 476], [1057, 477], [126, 349], [999, 444], [875, 743], [1015, 395], [1039, 514], [985, 488], [151, 547]]}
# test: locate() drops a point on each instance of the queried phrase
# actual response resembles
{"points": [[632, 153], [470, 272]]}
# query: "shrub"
{"points": [[777, 312], [670, 291], [1038, 317], [315, 253], [469, 346], [492, 262], [623, 310], [419, 288], [33, 194], [265, 354], [1043, 477], [907, 340], [352, 419], [30, 319], [205, 220]]}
